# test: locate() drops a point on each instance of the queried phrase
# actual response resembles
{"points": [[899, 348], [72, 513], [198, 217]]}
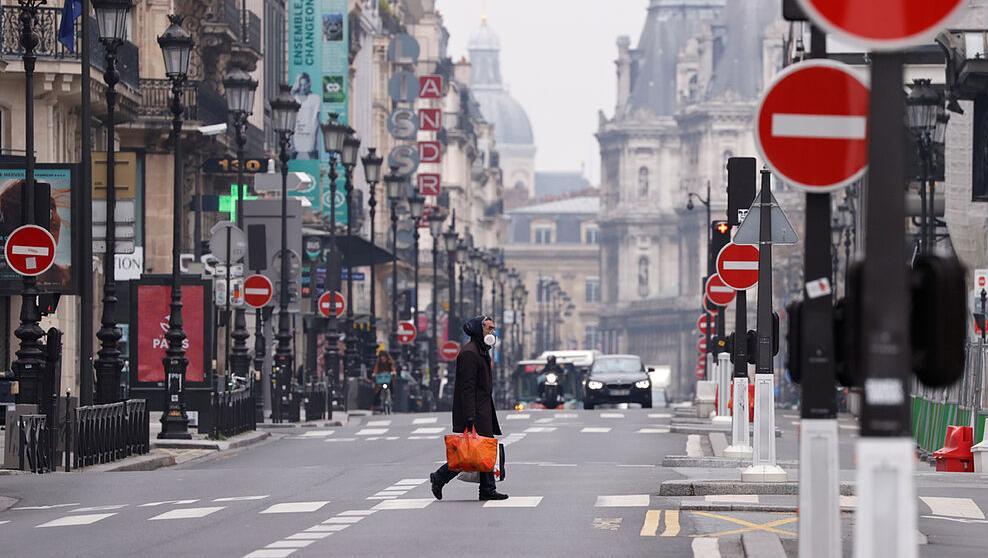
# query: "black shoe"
{"points": [[493, 495], [437, 488]]}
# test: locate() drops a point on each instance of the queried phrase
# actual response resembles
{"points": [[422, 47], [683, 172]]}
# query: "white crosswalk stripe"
{"points": [[659, 415], [410, 482], [175, 502], [953, 507], [340, 440], [515, 502], [289, 544], [623, 501], [100, 508], [326, 528], [596, 429], [271, 553], [69, 520], [307, 536], [653, 430], [427, 420], [429, 430], [296, 507], [317, 434], [405, 504], [540, 429], [372, 431], [379, 423], [518, 416], [241, 498], [611, 415], [186, 513], [348, 520]]}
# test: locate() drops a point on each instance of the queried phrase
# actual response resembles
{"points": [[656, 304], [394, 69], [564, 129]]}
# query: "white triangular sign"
{"points": [[782, 231]]}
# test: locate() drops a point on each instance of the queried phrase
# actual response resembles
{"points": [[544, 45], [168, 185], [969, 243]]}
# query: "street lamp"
{"points": [[436, 232], [416, 207], [372, 173], [176, 47], [111, 19], [455, 251], [284, 113], [240, 88], [477, 267], [351, 148], [394, 183], [463, 258], [927, 121], [334, 134], [706, 203]]}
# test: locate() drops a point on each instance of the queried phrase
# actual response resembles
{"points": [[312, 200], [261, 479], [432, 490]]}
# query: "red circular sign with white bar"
{"points": [[737, 265], [337, 299], [258, 291], [701, 344], [406, 332], [883, 24], [813, 125], [717, 292], [449, 350], [702, 324], [30, 250]]}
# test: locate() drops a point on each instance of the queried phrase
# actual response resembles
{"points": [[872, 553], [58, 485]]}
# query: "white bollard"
{"points": [[819, 489], [885, 520], [723, 415], [763, 467], [740, 447], [980, 452]]}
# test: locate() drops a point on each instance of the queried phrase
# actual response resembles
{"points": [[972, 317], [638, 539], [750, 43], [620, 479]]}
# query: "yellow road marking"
{"points": [[672, 524], [748, 526], [651, 524]]}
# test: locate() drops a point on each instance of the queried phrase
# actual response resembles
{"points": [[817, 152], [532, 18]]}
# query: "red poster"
{"points": [[153, 302]]}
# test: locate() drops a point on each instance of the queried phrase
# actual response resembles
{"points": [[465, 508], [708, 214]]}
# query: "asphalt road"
{"points": [[582, 483]]}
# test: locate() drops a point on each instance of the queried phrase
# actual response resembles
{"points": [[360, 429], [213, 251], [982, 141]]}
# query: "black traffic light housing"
{"points": [[794, 313], [938, 321]]}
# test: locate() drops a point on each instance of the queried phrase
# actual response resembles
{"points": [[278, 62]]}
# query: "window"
{"points": [[591, 337], [592, 288], [643, 277], [543, 234], [643, 182], [592, 236]]}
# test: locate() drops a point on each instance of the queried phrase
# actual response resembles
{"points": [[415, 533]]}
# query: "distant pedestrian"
{"points": [[473, 401]]}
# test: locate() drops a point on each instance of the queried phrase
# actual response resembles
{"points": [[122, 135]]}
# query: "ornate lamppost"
{"points": [[176, 46], [463, 257], [351, 149], [394, 183], [416, 206], [334, 134], [111, 18], [240, 89], [284, 113], [928, 124], [372, 173], [435, 231]]}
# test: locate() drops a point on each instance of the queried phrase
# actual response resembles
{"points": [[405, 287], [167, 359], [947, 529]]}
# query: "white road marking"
{"points": [[391, 493], [653, 431], [69, 520], [607, 523], [410, 482], [341, 439], [623, 501], [953, 507], [518, 416], [307, 536], [427, 420], [955, 519], [289, 544], [241, 498], [296, 507], [566, 415], [638, 466], [391, 438], [379, 423], [514, 502], [540, 429], [706, 547], [317, 434], [187, 513], [175, 502], [611, 415], [326, 528], [372, 431], [543, 420], [51, 507], [357, 512], [659, 415], [429, 430], [423, 437], [381, 497], [693, 448], [271, 553], [823, 126], [405, 487], [100, 508], [600, 429], [4, 521], [732, 498], [405, 504], [342, 520]]}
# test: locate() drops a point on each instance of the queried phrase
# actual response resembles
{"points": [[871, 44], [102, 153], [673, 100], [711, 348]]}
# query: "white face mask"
{"points": [[490, 340]]}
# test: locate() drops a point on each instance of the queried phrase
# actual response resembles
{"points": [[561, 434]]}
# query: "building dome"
{"points": [[511, 124], [484, 38]]}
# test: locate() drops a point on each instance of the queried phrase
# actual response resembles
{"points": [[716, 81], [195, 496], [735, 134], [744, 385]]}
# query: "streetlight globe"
{"points": [[372, 165], [334, 134], [112, 17], [416, 206], [351, 147], [240, 88], [921, 107], [176, 47], [436, 225], [284, 110], [689, 203], [393, 184]]}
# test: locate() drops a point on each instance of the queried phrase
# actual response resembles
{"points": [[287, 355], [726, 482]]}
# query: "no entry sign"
{"points": [[813, 125], [449, 350], [258, 291], [406, 332], [30, 250], [737, 265], [702, 324], [701, 345], [883, 24], [335, 300], [717, 292]]}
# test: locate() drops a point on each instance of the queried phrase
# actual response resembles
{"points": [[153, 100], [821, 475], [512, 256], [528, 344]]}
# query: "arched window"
{"points": [[643, 276], [643, 182]]}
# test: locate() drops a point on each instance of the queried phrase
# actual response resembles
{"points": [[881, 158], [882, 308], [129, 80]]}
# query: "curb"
{"points": [[716, 462], [237, 441], [762, 545], [139, 463], [726, 507], [699, 429], [698, 487]]}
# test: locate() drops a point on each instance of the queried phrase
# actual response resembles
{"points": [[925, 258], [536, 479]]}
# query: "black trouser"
{"points": [[444, 474]]}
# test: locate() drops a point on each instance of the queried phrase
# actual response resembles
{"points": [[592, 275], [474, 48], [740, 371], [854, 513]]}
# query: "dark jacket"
{"points": [[473, 392]]}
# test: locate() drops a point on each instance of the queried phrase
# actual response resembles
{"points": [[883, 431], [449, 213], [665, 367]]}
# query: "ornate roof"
{"points": [[511, 123]]}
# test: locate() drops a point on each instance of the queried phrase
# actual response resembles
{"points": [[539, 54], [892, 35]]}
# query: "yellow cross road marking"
{"points": [[651, 524], [672, 524], [748, 526]]}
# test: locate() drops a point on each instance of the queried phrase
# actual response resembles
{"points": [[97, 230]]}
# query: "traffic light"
{"points": [[720, 235], [937, 322]]}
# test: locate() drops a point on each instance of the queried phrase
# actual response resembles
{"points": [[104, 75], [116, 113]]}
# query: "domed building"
{"points": [[512, 129]]}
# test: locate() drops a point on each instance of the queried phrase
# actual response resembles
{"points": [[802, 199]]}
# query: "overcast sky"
{"points": [[557, 59]]}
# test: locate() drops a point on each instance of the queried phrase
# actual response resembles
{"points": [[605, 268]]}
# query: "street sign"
{"points": [[782, 231], [701, 345], [819, 107], [219, 165], [883, 24], [258, 291], [227, 240], [406, 332], [980, 279], [717, 292], [338, 303], [701, 324], [30, 250], [737, 265], [271, 182], [449, 350]]}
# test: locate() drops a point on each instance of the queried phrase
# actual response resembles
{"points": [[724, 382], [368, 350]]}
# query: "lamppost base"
{"points": [[174, 426]]}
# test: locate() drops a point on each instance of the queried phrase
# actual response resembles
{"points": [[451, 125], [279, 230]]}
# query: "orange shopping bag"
{"points": [[470, 452]]}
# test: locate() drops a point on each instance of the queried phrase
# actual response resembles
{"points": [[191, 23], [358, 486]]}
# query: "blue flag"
{"points": [[66, 30]]}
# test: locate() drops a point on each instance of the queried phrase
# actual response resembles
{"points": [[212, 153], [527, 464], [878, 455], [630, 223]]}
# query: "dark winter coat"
{"points": [[473, 392]]}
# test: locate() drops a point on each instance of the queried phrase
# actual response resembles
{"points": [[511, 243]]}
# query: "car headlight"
{"points": [[594, 384], [642, 384], [551, 379]]}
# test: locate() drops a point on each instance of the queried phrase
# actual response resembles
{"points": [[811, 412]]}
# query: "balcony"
{"points": [[49, 48], [227, 29], [156, 95]]}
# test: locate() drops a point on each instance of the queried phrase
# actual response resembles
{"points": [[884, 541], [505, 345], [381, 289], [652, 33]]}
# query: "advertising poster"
{"points": [[60, 278], [318, 66], [154, 302]]}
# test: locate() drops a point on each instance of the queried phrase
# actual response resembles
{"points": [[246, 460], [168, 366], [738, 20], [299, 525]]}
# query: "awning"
{"points": [[356, 250]]}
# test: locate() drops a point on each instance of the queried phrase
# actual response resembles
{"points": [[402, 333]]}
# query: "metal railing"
{"points": [[316, 401], [233, 413], [110, 432], [35, 443], [156, 99]]}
